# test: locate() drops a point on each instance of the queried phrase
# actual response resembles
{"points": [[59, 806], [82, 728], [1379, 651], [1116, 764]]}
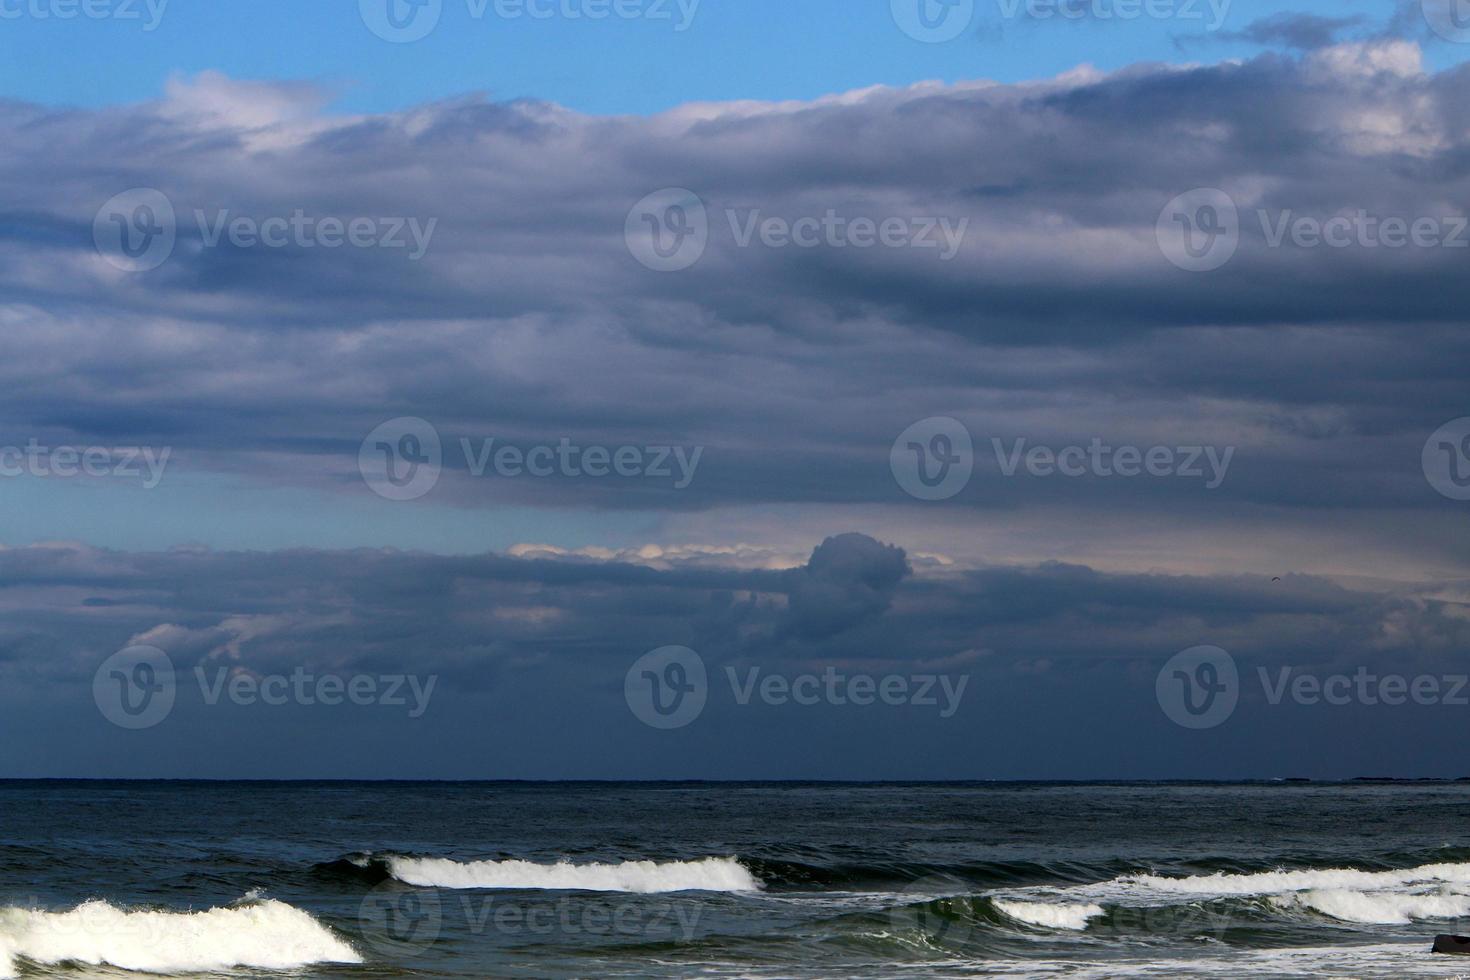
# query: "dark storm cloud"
{"points": [[855, 598], [850, 578], [530, 656], [527, 319]]}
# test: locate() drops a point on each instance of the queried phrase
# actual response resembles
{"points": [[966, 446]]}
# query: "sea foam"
{"points": [[1379, 908], [1267, 882], [1428, 892], [266, 935], [709, 874], [1049, 915]]}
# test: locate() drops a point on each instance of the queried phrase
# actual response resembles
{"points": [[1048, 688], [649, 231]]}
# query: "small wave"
{"points": [[1049, 915], [646, 877], [362, 868], [882, 875], [1428, 892], [265, 935], [1268, 882], [1378, 909]]}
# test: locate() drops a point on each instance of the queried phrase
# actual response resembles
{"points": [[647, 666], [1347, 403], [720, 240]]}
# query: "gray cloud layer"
{"points": [[528, 319], [530, 655]]}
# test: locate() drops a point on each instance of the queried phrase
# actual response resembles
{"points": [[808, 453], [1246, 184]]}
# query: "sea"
{"points": [[778, 880]]}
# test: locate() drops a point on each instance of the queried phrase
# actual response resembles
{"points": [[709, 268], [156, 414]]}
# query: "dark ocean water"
{"points": [[731, 880]]}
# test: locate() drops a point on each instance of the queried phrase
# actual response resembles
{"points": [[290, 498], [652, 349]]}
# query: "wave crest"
{"points": [[1267, 882], [645, 877], [1049, 915], [1426, 893], [266, 935], [1378, 909]]}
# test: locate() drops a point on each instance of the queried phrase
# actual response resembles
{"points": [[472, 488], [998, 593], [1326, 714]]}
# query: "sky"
{"points": [[638, 389]]}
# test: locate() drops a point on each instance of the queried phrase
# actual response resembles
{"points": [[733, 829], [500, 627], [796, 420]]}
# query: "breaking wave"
{"points": [[1049, 915], [266, 935], [1426, 893], [709, 874]]}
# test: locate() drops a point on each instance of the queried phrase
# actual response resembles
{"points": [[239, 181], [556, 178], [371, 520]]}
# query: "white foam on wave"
{"points": [[646, 877], [1378, 908], [1429, 892], [1049, 915], [1274, 882], [1382, 962], [265, 935]]}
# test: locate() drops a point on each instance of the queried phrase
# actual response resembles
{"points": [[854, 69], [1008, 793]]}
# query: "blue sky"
{"points": [[751, 49]]}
